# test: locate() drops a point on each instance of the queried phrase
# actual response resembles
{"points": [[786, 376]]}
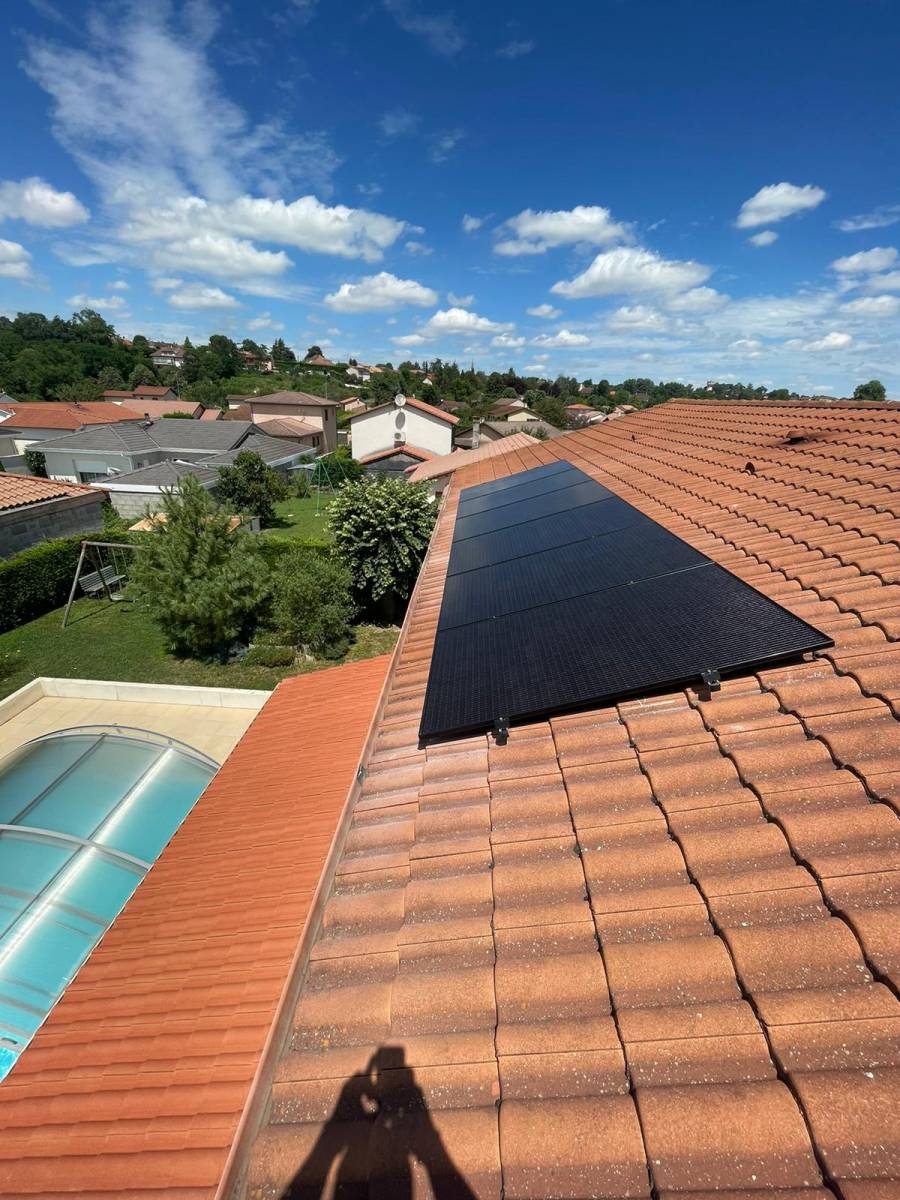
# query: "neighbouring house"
{"points": [[134, 493], [621, 410], [315, 410], [582, 414], [33, 510], [94, 454], [513, 413], [359, 372], [166, 354], [318, 360], [257, 362], [641, 945], [294, 428], [438, 472], [351, 404], [212, 414], [155, 408], [492, 431], [24, 424], [393, 436]]}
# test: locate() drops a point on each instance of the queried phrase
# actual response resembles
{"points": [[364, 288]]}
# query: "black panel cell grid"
{"points": [[534, 487], [511, 481], [578, 606]]}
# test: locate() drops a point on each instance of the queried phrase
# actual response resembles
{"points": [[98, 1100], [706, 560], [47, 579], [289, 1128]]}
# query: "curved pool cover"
{"points": [[84, 814]]}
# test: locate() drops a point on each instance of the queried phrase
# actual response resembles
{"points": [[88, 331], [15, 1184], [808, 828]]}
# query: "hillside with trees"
{"points": [[50, 358]]}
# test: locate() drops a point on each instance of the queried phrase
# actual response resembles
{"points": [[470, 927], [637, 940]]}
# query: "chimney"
{"points": [[476, 434]]}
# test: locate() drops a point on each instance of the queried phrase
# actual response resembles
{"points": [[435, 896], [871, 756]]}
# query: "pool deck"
{"points": [[214, 726]]}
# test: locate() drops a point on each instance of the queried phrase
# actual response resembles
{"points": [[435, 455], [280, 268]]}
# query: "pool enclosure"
{"points": [[84, 814]]}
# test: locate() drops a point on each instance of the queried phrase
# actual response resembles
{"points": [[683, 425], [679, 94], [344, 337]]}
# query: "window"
{"points": [[91, 476]]}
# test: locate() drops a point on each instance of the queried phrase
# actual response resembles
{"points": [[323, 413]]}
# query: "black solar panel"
{"points": [[535, 487], [582, 606], [512, 481], [604, 516], [584, 491]]}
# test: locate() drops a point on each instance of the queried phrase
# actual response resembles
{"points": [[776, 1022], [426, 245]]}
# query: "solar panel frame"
{"points": [[511, 481], [558, 481], [584, 491]]}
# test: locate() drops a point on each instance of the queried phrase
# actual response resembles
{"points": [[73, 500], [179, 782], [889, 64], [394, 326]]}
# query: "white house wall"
{"points": [[374, 431]]}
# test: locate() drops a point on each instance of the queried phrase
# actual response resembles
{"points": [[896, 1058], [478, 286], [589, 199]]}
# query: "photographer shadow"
{"points": [[379, 1135]]}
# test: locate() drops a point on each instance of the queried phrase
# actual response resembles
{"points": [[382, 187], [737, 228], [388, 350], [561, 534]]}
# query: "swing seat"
{"points": [[95, 583]]}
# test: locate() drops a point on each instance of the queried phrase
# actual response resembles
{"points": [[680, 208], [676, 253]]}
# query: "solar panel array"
{"points": [[561, 595]]}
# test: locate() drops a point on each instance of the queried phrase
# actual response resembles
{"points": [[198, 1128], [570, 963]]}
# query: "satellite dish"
{"points": [[399, 400]]}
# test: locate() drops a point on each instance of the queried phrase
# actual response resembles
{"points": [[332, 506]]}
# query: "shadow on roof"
{"points": [[379, 1132]]}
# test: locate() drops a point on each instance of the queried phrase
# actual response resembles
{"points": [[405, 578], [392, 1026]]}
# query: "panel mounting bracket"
{"points": [[501, 730], [711, 679]]}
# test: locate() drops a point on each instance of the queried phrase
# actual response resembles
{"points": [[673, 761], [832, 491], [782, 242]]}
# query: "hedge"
{"points": [[38, 580]]}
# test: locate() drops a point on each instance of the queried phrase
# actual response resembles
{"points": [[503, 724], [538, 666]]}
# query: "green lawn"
{"points": [[297, 520], [115, 641]]}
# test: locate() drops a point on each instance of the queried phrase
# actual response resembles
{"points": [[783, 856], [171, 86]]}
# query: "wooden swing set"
{"points": [[105, 576]]}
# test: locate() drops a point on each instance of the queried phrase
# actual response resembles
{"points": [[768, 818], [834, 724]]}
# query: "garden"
{"points": [[210, 605]]}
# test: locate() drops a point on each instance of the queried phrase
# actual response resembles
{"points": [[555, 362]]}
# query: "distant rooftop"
{"points": [[20, 491]]}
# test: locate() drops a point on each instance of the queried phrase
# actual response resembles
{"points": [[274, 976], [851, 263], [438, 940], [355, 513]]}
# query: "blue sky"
{"points": [[623, 187]]}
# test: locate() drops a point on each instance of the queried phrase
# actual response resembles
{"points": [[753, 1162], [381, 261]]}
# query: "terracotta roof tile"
{"points": [[702, 889], [18, 491], [143, 1069]]}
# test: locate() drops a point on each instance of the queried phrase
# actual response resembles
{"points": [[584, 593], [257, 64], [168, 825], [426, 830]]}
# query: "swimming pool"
{"points": [[84, 814]]}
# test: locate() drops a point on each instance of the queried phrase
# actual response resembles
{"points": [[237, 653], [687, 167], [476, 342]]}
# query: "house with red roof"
{"points": [[406, 431]]}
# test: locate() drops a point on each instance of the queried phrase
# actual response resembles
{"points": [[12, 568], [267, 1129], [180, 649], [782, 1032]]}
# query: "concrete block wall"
{"points": [[21, 528]]}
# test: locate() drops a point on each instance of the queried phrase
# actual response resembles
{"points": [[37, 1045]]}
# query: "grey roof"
{"points": [[298, 398], [269, 449], [507, 427], [163, 474], [171, 436]]}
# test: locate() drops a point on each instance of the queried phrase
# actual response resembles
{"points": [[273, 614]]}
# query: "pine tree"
{"points": [[202, 584]]}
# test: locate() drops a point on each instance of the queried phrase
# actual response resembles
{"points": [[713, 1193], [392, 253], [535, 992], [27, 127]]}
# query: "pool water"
{"points": [[84, 814]]}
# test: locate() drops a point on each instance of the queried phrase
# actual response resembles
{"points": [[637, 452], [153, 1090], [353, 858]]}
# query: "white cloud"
{"points": [[536, 232], [439, 31], [96, 302], [85, 256], [765, 238], [632, 270], [879, 258], [265, 321], [696, 300], [381, 291], [873, 306], [516, 49], [409, 339], [369, 190], [198, 295], [442, 145], [878, 218], [562, 339], [638, 318], [15, 261], [831, 341], [536, 368], [134, 108], [418, 248], [166, 283], [459, 320], [546, 311], [221, 256], [746, 348], [397, 122], [888, 282], [119, 285], [507, 341], [460, 301], [306, 224], [777, 201], [39, 203], [470, 224]]}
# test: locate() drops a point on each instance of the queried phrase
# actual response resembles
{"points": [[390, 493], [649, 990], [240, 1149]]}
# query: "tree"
{"points": [[550, 409], [314, 352], [250, 486], [208, 392], [282, 355], [381, 529], [314, 603], [35, 462], [142, 373], [873, 390], [79, 392], [110, 379], [202, 584]]}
